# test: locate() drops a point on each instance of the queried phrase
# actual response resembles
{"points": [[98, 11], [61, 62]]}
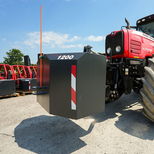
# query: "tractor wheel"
{"points": [[147, 92]]}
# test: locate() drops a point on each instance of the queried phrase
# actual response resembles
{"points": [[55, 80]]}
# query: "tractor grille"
{"points": [[114, 40], [135, 46]]}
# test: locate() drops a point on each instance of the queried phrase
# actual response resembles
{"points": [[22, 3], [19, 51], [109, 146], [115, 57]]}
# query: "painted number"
{"points": [[65, 57]]}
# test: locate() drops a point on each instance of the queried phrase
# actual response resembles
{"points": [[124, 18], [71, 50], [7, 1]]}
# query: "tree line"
{"points": [[14, 57]]}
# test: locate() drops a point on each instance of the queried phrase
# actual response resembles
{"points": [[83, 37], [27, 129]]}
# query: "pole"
{"points": [[41, 53]]}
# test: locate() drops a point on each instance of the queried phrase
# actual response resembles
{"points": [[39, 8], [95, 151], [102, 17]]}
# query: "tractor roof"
{"points": [[145, 20]]}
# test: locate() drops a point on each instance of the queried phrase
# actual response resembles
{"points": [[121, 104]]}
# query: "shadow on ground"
{"points": [[53, 134], [135, 124], [50, 134], [130, 120]]}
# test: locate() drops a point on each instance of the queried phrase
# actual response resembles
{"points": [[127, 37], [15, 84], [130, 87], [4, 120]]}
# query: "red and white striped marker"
{"points": [[73, 87]]}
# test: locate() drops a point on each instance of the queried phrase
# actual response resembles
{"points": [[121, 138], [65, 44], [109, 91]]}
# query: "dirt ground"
{"points": [[25, 127]]}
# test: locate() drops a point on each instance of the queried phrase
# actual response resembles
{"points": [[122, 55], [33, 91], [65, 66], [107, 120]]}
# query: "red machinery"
{"points": [[7, 80], [28, 71], [23, 71], [20, 71], [34, 71], [7, 72], [72, 84], [130, 64], [20, 78], [128, 52], [24, 78]]}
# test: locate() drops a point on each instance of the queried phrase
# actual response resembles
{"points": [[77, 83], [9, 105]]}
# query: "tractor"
{"points": [[75, 85], [130, 62]]}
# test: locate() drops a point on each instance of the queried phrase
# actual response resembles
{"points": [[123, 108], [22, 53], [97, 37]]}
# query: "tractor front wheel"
{"points": [[147, 92]]}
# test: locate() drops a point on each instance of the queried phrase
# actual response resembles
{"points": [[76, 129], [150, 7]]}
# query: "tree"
{"points": [[14, 57]]}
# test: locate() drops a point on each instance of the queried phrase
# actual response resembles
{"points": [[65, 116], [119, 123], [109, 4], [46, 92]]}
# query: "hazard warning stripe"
{"points": [[73, 82], [73, 94], [73, 87]]}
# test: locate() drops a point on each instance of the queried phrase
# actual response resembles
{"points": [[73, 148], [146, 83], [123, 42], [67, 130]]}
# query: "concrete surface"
{"points": [[25, 127]]}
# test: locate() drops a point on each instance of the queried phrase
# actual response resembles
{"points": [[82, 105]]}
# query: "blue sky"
{"points": [[68, 25]]}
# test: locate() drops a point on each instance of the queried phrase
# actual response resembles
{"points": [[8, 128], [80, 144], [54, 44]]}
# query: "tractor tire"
{"points": [[147, 92]]}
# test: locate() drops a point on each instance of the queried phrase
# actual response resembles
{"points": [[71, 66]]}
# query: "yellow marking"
{"points": [[136, 57]]}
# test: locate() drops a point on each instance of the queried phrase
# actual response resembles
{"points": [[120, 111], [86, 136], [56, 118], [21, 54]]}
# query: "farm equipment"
{"points": [[24, 79], [75, 85], [34, 71], [17, 78], [7, 80]]}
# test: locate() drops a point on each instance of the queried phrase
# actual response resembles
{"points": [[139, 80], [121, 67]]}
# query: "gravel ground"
{"points": [[25, 127]]}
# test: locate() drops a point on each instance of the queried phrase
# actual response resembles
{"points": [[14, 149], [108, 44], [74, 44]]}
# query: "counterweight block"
{"points": [[73, 84]]}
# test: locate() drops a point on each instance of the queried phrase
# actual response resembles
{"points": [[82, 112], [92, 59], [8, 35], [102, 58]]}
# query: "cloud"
{"points": [[55, 40], [95, 38], [69, 46], [52, 39]]}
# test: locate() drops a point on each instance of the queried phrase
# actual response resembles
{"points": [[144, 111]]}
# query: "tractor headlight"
{"points": [[118, 48], [109, 50]]}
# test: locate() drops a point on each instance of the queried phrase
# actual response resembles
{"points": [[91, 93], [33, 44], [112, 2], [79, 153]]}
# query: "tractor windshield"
{"points": [[147, 28]]}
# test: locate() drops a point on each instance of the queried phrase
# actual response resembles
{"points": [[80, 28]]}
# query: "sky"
{"points": [[68, 25]]}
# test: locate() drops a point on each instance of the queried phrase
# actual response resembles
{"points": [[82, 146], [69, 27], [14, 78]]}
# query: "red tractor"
{"points": [[75, 85], [130, 63]]}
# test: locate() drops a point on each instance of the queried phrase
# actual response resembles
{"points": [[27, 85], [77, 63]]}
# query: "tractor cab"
{"points": [[146, 25]]}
